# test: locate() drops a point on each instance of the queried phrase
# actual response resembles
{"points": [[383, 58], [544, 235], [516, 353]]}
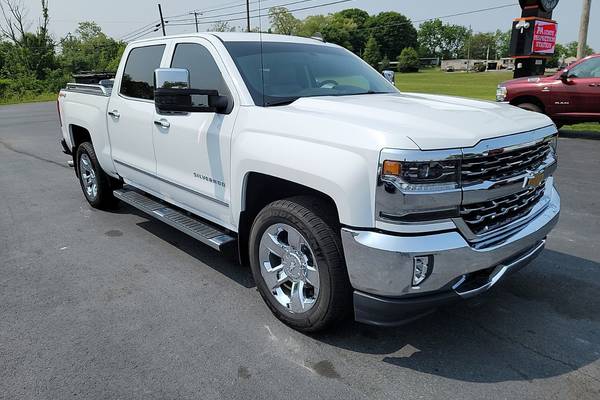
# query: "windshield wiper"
{"points": [[281, 102]]}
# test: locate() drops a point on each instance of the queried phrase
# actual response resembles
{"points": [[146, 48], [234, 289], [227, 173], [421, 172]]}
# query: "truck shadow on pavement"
{"points": [[220, 262], [542, 322]]}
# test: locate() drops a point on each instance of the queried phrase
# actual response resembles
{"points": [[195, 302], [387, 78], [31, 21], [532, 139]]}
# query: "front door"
{"points": [[193, 149], [585, 83], [130, 113]]}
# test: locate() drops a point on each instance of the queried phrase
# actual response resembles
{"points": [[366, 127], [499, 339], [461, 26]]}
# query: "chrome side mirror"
{"points": [[172, 93], [171, 78]]}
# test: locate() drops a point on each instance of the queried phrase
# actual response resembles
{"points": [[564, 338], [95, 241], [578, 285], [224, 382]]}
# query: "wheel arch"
{"points": [[258, 190], [79, 134], [529, 99]]}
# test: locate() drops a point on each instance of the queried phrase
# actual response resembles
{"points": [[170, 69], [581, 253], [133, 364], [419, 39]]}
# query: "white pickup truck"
{"points": [[343, 194]]}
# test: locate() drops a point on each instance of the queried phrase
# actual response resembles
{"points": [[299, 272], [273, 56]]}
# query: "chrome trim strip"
{"points": [[97, 90], [510, 142], [220, 202]]}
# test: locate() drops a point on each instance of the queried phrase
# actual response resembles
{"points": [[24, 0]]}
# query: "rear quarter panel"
{"points": [[87, 111]]}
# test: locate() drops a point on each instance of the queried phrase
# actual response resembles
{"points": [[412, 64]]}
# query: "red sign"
{"points": [[544, 37]]}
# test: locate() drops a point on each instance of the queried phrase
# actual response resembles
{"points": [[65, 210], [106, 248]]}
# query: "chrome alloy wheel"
{"points": [[88, 177], [289, 268]]}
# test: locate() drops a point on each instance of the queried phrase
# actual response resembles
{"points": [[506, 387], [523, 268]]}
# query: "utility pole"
{"points": [[162, 21], [583, 28], [196, 18], [248, 14], [469, 50]]}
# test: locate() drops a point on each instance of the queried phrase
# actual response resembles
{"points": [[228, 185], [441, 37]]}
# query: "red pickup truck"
{"points": [[570, 96]]}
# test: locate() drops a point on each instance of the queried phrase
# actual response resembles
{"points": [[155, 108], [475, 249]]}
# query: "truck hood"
{"points": [[528, 80], [430, 121]]}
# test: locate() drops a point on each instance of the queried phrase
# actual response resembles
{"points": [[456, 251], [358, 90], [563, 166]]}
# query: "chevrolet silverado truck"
{"points": [[570, 96], [341, 193]]}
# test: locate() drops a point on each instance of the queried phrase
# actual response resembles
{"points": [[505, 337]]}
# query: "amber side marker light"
{"points": [[391, 168]]}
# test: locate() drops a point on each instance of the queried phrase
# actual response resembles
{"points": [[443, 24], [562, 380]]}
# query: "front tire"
{"points": [[97, 186], [298, 264]]}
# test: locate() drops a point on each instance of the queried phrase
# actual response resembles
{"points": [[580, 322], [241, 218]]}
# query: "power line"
{"points": [[173, 18], [244, 11], [262, 9], [145, 27], [418, 21]]}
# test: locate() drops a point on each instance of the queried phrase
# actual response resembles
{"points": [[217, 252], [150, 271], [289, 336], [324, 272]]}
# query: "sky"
{"points": [[121, 17]]}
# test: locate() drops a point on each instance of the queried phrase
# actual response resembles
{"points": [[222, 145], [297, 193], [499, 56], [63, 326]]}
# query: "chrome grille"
{"points": [[490, 215], [493, 167]]}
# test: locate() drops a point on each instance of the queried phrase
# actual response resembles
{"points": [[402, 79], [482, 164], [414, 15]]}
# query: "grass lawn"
{"points": [[475, 85], [28, 98], [480, 86]]}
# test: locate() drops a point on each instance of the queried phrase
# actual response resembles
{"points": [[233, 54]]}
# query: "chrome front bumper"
{"points": [[381, 264]]}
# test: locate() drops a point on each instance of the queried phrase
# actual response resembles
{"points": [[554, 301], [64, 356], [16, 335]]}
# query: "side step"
{"points": [[207, 233]]}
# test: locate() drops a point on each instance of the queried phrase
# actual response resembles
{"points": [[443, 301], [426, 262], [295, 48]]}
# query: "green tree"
{"points": [[571, 50], [408, 60], [30, 53], [312, 25], [503, 43], [357, 37], [385, 64], [393, 32], [282, 21], [90, 50], [221, 26], [482, 42], [372, 55], [340, 30]]}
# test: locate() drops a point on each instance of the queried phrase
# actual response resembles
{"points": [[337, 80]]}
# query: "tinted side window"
{"points": [[587, 69], [138, 77], [204, 72]]}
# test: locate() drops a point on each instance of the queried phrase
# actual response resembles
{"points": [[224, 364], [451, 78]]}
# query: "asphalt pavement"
{"points": [[115, 305]]}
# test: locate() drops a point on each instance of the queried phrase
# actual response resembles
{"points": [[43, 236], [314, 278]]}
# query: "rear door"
{"points": [[585, 88], [193, 151], [130, 114]]}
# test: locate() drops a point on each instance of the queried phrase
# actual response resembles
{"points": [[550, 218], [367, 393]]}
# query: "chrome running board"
{"points": [[203, 231]]}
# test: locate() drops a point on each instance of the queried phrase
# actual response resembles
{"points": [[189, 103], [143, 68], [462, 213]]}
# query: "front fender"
{"points": [[345, 175]]}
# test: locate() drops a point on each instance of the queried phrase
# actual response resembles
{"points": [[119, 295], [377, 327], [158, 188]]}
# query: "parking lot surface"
{"points": [[115, 305]]}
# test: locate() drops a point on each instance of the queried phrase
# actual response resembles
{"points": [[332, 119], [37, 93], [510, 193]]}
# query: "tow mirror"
{"points": [[173, 94]]}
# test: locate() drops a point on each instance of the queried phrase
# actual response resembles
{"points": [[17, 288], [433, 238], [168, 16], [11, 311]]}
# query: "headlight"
{"points": [[421, 175], [501, 93]]}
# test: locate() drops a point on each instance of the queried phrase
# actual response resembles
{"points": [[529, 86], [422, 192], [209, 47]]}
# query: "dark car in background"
{"points": [[568, 97]]}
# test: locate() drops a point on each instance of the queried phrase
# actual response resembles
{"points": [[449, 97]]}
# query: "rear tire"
{"points": [[97, 186], [531, 107], [296, 243]]}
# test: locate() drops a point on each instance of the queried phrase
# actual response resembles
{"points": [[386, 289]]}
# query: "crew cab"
{"points": [[343, 195], [568, 97]]}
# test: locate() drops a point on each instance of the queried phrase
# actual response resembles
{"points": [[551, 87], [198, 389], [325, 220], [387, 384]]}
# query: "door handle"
{"points": [[114, 114], [163, 123]]}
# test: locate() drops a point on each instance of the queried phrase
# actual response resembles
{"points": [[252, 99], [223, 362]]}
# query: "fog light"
{"points": [[422, 267]]}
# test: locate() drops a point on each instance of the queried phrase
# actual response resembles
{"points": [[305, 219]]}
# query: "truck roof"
{"points": [[241, 37]]}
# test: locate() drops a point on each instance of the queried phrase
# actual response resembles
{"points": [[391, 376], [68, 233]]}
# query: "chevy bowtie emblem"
{"points": [[534, 180]]}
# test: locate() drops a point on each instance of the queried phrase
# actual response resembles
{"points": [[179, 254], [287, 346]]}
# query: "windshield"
{"points": [[295, 70]]}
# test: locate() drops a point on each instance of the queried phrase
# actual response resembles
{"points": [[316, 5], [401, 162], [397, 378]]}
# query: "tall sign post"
{"points": [[533, 37]]}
